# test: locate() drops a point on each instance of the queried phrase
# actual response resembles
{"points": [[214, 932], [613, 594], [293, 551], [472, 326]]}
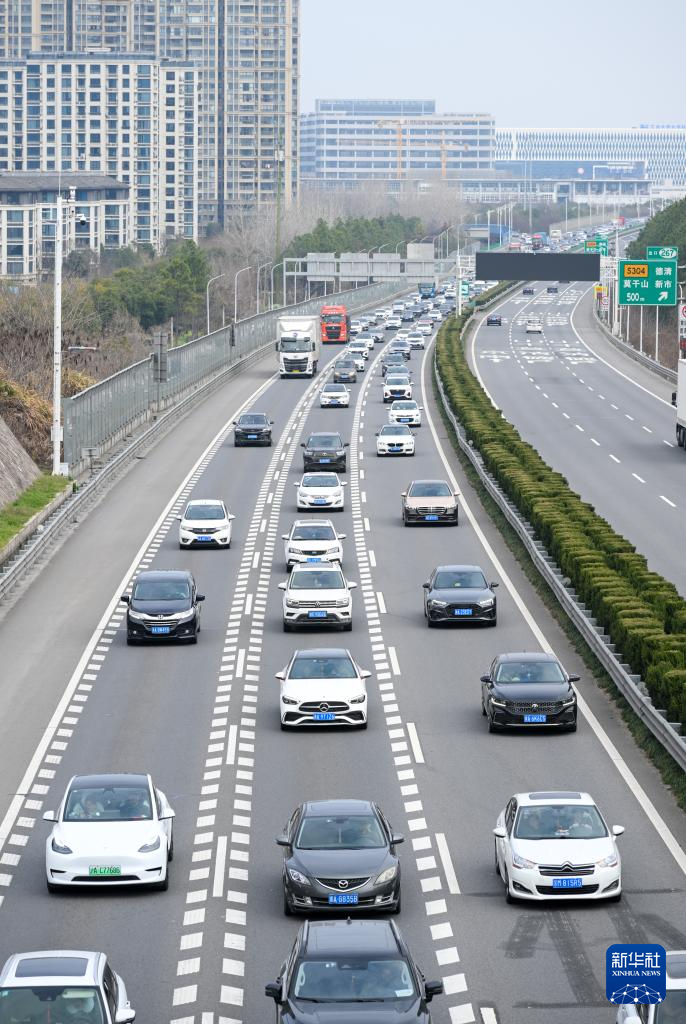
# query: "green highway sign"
{"points": [[662, 252], [597, 245], [464, 287], [647, 282]]}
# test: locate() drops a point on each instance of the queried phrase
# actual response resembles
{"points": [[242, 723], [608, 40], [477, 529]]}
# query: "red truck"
{"points": [[335, 324]]}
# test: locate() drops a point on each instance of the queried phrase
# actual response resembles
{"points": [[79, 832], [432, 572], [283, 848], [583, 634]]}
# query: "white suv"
{"points": [[313, 540], [317, 595]]}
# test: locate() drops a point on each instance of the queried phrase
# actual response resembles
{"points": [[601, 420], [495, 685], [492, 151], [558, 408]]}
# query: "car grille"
{"points": [[566, 869], [112, 879], [333, 333], [171, 623], [548, 890], [334, 883], [204, 532], [337, 706], [316, 604], [456, 607], [550, 707], [296, 364], [428, 510]]}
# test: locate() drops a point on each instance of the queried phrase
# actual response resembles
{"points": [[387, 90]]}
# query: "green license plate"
{"points": [[107, 870]]}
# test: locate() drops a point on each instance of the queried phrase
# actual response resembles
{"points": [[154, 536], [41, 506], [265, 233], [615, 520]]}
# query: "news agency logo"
{"points": [[635, 973]]}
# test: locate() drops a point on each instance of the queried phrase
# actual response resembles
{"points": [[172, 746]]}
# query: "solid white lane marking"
{"points": [[667, 501], [414, 743], [614, 458], [395, 664], [656, 819], [220, 867], [447, 862], [639, 478], [241, 662]]}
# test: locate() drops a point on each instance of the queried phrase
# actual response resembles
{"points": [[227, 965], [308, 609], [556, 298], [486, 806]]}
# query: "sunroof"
{"points": [[52, 966]]}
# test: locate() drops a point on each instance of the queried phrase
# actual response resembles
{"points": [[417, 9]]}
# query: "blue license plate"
{"points": [[325, 460], [431, 519], [404, 419], [568, 883], [535, 719], [204, 538], [313, 558], [320, 501], [316, 615], [252, 437], [462, 611], [323, 716], [395, 448], [345, 898], [159, 630]]}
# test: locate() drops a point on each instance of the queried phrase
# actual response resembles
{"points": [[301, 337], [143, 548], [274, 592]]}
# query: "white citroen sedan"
{"points": [[317, 595], [113, 829], [394, 439], [323, 686], [555, 845], [313, 540], [205, 523], [406, 411], [320, 491]]}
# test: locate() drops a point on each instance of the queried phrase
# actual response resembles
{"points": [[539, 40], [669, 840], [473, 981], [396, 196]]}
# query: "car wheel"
{"points": [[571, 728], [509, 898], [495, 859], [130, 641], [405, 522], [170, 851], [430, 623], [194, 638], [347, 627], [52, 888], [364, 724], [286, 906], [615, 898], [483, 708], [398, 906], [493, 622], [162, 886], [491, 726], [284, 727]]}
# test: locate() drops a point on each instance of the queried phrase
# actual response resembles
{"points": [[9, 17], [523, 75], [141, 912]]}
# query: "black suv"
{"points": [[252, 428], [163, 605], [351, 970], [494, 320], [340, 856], [324, 450], [529, 689], [528, 290]]}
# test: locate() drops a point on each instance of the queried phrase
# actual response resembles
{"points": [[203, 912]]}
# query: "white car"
{"points": [[393, 323], [406, 411], [355, 326], [334, 395], [359, 348], [534, 326], [396, 385], [323, 686], [357, 357], [401, 335], [313, 540], [394, 439], [317, 595], [368, 337], [320, 491], [424, 326], [415, 339], [205, 522], [435, 316], [110, 829], [381, 314], [556, 846]]}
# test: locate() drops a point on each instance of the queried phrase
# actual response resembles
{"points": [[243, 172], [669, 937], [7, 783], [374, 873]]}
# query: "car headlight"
{"points": [[295, 551], [297, 876], [568, 702], [290, 603], [521, 862], [488, 603], [150, 847], [138, 616], [387, 875], [287, 700], [342, 602], [359, 700], [59, 847], [611, 861], [438, 604], [180, 616], [497, 703]]}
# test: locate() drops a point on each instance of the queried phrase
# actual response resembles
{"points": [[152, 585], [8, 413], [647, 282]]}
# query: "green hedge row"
{"points": [[643, 612]]}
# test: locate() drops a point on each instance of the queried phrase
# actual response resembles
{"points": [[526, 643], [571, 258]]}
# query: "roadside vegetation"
{"points": [[15, 516]]}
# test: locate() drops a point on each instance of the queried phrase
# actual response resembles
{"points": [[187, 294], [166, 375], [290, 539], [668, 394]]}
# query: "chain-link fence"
{"points": [[99, 417]]}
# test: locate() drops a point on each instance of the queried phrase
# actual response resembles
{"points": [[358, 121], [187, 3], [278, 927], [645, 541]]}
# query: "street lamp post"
{"points": [[57, 347], [235, 292], [207, 297], [271, 294], [260, 268]]}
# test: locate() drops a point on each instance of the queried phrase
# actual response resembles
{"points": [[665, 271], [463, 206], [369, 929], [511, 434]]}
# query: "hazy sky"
{"points": [[532, 63]]}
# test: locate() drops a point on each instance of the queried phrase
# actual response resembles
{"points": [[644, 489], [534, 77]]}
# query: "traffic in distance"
{"points": [[342, 867]]}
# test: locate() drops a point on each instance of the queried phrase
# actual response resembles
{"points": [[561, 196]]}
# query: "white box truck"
{"points": [[297, 345], [679, 399]]}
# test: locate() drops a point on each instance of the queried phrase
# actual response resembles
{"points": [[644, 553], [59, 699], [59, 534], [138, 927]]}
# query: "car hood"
{"points": [[341, 863], [562, 851], [253, 428], [317, 595], [467, 595], [196, 524], [346, 1013], [441, 501], [330, 450], [319, 492], [532, 691], [96, 838], [327, 690], [163, 608]]}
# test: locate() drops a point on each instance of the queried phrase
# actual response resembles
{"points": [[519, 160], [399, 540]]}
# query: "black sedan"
{"points": [[552, 289], [528, 689], [344, 372], [252, 428], [163, 605], [326, 450], [340, 855], [528, 290], [494, 320], [459, 593]]}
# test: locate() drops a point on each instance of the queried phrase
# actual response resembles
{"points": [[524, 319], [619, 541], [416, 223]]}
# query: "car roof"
{"points": [[105, 779], [327, 808], [363, 938], [555, 796], [39, 967], [323, 652], [676, 968], [164, 574], [252, 415], [526, 656]]}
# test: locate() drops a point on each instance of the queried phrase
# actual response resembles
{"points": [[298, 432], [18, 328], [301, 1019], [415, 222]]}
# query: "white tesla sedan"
{"points": [[555, 845], [320, 491], [205, 522], [113, 829], [323, 686]]}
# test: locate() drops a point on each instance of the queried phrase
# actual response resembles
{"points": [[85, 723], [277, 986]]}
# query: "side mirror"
{"points": [[273, 990], [50, 816], [618, 830], [365, 673], [199, 597], [125, 598], [346, 444], [285, 536], [283, 586], [271, 423], [431, 989], [233, 422], [296, 483], [493, 585], [403, 494], [426, 586], [377, 434], [282, 840], [485, 679], [397, 839], [179, 518], [341, 536], [352, 586], [231, 517], [126, 1016], [574, 678], [501, 833], [344, 483], [168, 814], [281, 674]]}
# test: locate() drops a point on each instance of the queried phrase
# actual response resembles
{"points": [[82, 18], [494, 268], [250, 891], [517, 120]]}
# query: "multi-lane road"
{"points": [[204, 721]]}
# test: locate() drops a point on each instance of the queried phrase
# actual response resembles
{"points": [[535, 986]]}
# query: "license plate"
{"points": [[325, 460], [203, 538], [535, 719], [404, 419], [316, 615], [462, 611], [339, 898], [252, 437], [323, 716], [109, 871], [160, 630], [567, 883], [394, 448], [313, 558], [320, 501], [296, 371], [431, 519]]}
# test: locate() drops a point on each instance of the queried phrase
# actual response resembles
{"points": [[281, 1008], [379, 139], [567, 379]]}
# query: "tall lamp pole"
{"points": [[260, 268], [207, 297], [57, 345], [235, 292]]}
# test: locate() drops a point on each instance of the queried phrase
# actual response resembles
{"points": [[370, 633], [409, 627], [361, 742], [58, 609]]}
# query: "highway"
{"points": [[204, 721], [594, 414]]}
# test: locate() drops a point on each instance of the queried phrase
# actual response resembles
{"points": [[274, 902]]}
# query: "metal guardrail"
{"points": [[638, 357], [96, 419], [630, 686]]}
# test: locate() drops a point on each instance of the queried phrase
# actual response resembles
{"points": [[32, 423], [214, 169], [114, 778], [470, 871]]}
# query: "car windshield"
{"points": [[162, 590], [307, 667], [529, 672], [345, 832], [47, 1004], [673, 1009], [429, 489], [253, 419], [295, 345], [396, 381], [466, 580], [313, 532], [319, 480], [205, 512], [353, 979], [559, 821], [404, 405], [337, 388], [393, 428], [319, 579], [332, 318], [325, 441], [345, 364], [108, 803]]}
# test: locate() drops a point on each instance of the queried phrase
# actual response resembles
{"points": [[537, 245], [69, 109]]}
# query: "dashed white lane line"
{"points": [[668, 443], [596, 443], [579, 427], [447, 862], [647, 429], [614, 458], [667, 501], [629, 417], [219, 867], [639, 478], [395, 665], [566, 415], [488, 1015], [381, 602], [414, 743]]}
